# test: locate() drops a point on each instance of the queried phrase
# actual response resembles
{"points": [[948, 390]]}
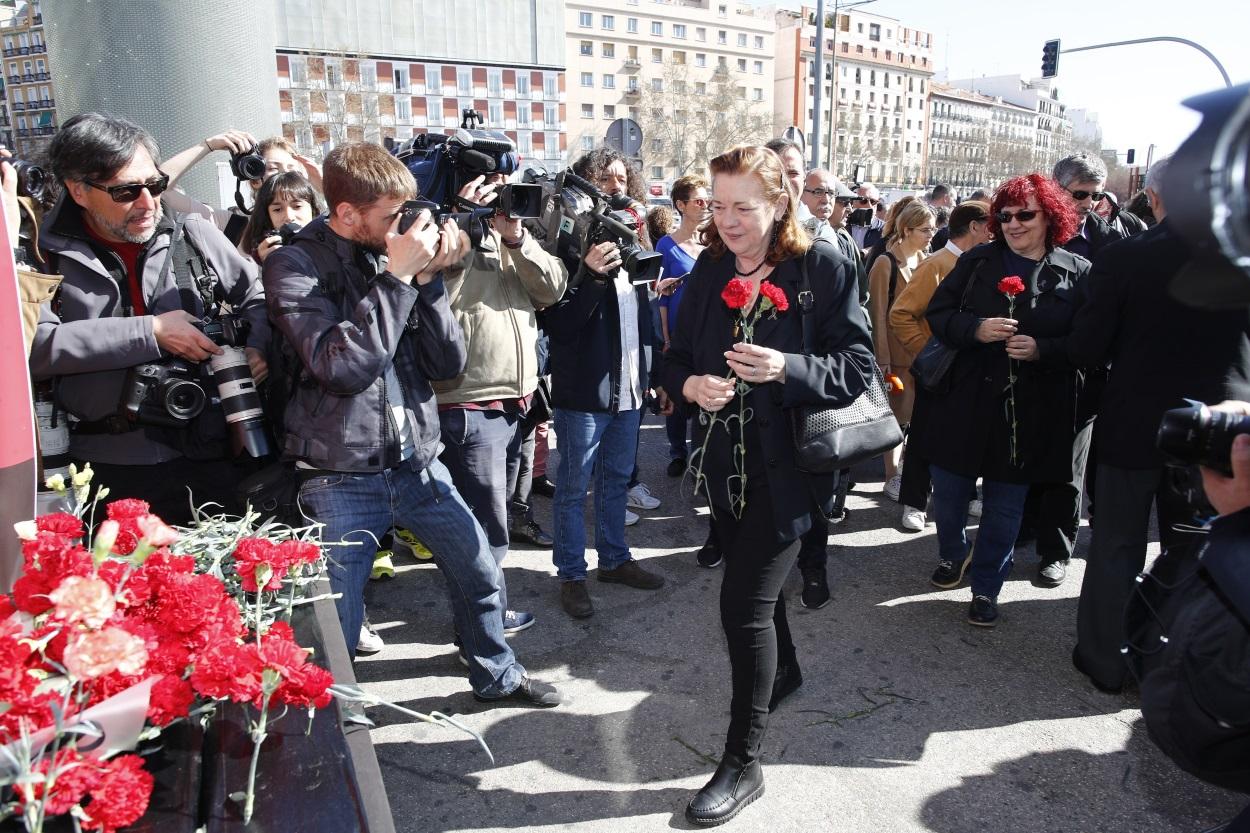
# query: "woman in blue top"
{"points": [[680, 250]]}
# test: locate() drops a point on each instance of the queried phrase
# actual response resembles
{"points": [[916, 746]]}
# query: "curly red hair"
{"points": [[1061, 219]]}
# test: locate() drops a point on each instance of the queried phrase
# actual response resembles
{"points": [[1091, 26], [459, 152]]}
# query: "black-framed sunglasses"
{"points": [[1081, 195], [867, 200], [1005, 217], [131, 192]]}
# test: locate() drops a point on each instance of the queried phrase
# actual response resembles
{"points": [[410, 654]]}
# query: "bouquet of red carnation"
{"points": [[1011, 286]]}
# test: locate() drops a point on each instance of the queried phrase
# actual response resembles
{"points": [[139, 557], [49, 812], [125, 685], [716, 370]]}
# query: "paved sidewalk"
{"points": [[908, 720]]}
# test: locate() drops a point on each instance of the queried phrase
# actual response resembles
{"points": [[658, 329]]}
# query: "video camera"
{"points": [[442, 165], [576, 216], [172, 392]]}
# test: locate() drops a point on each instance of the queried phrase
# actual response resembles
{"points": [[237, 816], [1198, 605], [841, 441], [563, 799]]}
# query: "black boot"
{"points": [[733, 787], [787, 681]]}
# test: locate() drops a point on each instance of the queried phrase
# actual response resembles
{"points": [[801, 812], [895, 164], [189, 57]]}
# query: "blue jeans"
{"points": [[482, 450], [358, 509], [1002, 507], [610, 440]]}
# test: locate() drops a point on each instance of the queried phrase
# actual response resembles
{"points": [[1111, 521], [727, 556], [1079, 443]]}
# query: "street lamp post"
{"points": [[819, 80]]}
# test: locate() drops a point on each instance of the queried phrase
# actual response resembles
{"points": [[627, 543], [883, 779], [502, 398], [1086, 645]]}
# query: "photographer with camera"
{"points": [[129, 335], [359, 297], [495, 293], [601, 338], [1161, 352]]}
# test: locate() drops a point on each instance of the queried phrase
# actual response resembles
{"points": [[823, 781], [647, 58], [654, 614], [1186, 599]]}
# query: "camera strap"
{"points": [[183, 258]]}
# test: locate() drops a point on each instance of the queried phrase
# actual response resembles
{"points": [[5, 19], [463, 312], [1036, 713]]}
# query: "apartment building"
{"points": [[365, 70], [1052, 137], [30, 106], [959, 137], [874, 111], [696, 75]]}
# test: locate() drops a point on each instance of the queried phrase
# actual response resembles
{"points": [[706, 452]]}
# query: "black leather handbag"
{"points": [[828, 439], [932, 365]]}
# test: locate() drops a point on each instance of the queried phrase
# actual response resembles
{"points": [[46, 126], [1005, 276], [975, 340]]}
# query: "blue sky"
{"points": [[1136, 90]]}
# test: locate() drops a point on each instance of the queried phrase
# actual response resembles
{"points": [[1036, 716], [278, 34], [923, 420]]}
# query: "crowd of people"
{"points": [[426, 377]]}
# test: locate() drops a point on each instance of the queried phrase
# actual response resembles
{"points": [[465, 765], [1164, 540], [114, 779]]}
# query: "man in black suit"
{"points": [[1160, 352]]}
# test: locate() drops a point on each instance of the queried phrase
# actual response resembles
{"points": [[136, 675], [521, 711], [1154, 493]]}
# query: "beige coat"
{"points": [[908, 328]]}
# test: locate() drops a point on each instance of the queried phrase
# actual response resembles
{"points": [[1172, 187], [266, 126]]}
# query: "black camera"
{"points": [[1198, 435], [248, 165], [859, 217], [32, 180], [166, 393], [577, 215], [472, 222], [287, 232]]}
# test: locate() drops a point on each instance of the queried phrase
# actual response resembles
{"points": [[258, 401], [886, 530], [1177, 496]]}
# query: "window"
{"points": [[609, 21], [299, 71], [609, 81], [609, 50], [464, 80], [551, 114], [742, 65], [874, 31], [334, 73], [553, 145], [550, 85], [494, 82], [434, 80], [588, 111], [523, 115], [434, 107], [679, 30], [494, 114], [402, 79], [370, 102], [657, 56], [588, 79], [759, 41], [368, 75], [301, 102], [657, 145], [700, 88], [722, 37], [657, 84], [859, 79], [631, 25], [757, 94], [758, 67], [609, 111], [588, 143], [631, 85], [585, 19], [700, 59], [525, 142], [403, 109], [679, 57], [700, 33], [742, 39], [586, 48], [657, 28], [522, 84]]}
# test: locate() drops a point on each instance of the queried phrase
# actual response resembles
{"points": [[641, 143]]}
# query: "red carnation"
{"points": [[127, 509], [74, 777], [171, 699], [62, 523], [775, 294], [228, 669], [294, 553], [122, 796], [255, 554], [737, 293], [1011, 286]]}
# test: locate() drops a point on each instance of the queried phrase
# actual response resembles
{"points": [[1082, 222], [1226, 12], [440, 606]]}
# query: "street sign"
{"points": [[624, 135], [795, 134]]}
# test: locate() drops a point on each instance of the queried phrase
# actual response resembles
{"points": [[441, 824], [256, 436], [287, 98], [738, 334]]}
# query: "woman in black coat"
{"points": [[761, 503], [1010, 414]]}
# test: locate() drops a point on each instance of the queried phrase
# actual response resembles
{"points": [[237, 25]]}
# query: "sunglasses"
{"points": [[866, 199], [131, 192], [1082, 195], [820, 193], [1005, 217]]}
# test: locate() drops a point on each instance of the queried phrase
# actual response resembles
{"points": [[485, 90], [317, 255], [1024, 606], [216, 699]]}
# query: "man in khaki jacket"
{"points": [[969, 227], [494, 294]]}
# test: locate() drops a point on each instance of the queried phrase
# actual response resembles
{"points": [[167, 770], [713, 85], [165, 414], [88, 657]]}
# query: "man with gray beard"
{"points": [[137, 283]]}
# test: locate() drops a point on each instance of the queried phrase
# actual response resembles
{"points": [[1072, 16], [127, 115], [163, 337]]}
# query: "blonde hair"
{"points": [[789, 239], [360, 173], [904, 216]]}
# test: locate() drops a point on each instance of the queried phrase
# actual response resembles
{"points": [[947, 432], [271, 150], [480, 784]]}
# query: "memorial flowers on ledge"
{"points": [[770, 302]]}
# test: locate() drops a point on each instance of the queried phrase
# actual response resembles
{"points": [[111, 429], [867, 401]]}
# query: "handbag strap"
{"points": [[963, 299]]}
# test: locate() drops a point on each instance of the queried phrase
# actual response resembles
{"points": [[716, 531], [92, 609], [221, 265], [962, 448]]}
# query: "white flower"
{"points": [[26, 530]]}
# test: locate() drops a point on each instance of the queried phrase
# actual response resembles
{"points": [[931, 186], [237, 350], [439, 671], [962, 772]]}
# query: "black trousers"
{"points": [[915, 486], [753, 616], [165, 485], [1054, 509], [813, 545], [1116, 555]]}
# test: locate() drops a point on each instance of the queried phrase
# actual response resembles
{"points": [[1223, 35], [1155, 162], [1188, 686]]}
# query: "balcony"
{"points": [[632, 63], [15, 79], [19, 105], [43, 76], [632, 92], [23, 133], [45, 130], [38, 48], [44, 104]]}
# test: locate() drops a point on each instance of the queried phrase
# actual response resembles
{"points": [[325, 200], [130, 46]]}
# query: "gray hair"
{"points": [[91, 146], [1080, 167], [1154, 176]]}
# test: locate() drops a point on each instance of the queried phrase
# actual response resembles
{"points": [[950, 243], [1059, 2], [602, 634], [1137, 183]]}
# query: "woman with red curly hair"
{"points": [[1009, 412]]}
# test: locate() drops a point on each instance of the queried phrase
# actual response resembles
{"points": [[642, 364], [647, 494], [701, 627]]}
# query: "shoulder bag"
{"points": [[931, 367], [828, 439]]}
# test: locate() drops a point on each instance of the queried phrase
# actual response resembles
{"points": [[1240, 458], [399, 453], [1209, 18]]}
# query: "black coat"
{"points": [[1098, 235], [839, 370], [966, 430], [1160, 350]]}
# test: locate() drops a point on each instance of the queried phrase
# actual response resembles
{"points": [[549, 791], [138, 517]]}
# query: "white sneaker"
{"points": [[369, 642], [974, 509], [913, 519], [640, 497], [892, 487], [630, 518]]}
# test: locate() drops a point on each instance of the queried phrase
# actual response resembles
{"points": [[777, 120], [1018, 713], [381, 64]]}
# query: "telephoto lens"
{"points": [[245, 415], [1199, 435]]}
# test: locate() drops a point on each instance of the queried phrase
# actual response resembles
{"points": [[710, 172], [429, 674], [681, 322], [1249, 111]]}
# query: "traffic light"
{"points": [[1130, 156], [1050, 59]]}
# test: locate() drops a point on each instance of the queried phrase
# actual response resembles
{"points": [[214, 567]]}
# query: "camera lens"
{"points": [[31, 180], [182, 399], [245, 415]]}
